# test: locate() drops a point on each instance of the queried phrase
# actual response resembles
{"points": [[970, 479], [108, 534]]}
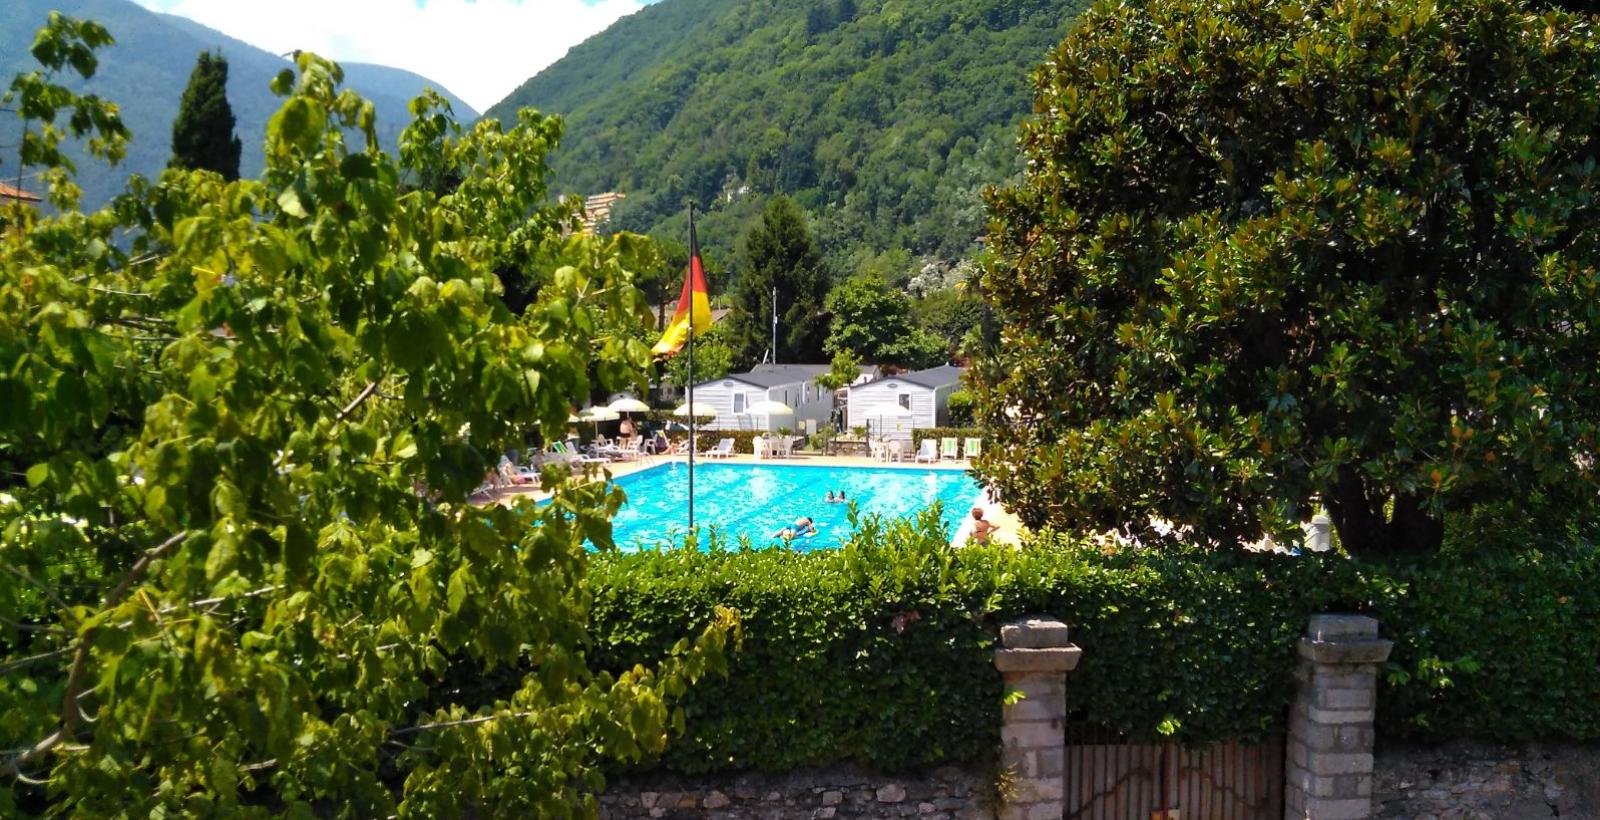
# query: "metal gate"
{"points": [[1109, 778]]}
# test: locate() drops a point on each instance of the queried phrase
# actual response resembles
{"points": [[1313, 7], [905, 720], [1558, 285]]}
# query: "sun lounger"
{"points": [[974, 447], [581, 458], [724, 449], [515, 476], [929, 451], [574, 457], [949, 447]]}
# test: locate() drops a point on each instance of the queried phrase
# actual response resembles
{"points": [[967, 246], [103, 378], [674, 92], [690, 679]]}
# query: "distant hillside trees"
{"points": [[202, 133], [713, 359], [883, 121], [876, 322], [780, 252]]}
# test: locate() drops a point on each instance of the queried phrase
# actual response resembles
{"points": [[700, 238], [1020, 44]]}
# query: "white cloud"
{"points": [[478, 49]]}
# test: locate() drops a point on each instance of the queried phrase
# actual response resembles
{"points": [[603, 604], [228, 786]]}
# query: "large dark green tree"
{"points": [[780, 252], [202, 133], [1276, 254]]}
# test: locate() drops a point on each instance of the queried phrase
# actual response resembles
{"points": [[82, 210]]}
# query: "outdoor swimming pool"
{"points": [[756, 500]]}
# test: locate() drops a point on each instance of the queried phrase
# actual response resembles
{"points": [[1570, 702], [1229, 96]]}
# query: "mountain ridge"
{"points": [[145, 73], [884, 119]]}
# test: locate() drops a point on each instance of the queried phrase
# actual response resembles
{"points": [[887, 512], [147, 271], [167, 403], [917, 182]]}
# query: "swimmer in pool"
{"points": [[802, 526]]}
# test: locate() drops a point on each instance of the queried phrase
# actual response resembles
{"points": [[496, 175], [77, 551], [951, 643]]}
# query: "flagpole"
{"points": [[691, 383]]}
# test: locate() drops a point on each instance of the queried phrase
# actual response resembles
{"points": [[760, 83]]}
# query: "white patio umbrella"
{"points": [[594, 415], [770, 408], [628, 404], [701, 410], [892, 419]]}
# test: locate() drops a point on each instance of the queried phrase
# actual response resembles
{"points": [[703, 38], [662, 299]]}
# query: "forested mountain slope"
{"points": [[883, 118], [146, 71]]}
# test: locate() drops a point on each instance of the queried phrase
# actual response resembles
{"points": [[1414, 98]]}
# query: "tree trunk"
{"points": [[1364, 527]]}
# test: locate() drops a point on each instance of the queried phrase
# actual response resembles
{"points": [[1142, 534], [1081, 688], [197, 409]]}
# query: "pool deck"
{"points": [[1008, 532]]}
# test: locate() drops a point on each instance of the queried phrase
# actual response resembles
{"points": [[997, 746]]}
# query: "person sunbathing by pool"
{"points": [[803, 526]]}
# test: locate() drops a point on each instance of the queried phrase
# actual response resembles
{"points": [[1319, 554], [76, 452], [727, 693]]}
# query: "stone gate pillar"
{"points": [[1034, 661], [1329, 771]]}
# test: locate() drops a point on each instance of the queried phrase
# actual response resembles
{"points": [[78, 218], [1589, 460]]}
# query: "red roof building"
{"points": [[14, 193]]}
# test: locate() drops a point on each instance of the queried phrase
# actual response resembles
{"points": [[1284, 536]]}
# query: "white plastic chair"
{"points": [[929, 451]]}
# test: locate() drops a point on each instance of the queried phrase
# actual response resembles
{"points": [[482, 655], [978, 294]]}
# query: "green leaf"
{"points": [[456, 592], [289, 202], [223, 558]]}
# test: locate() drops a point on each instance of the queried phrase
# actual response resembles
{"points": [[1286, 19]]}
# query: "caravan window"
{"points": [[905, 400], [738, 403]]}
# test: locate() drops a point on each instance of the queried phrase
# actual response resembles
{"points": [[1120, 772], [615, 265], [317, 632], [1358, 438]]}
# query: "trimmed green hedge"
{"points": [[743, 440], [879, 653], [936, 433], [1503, 647]]}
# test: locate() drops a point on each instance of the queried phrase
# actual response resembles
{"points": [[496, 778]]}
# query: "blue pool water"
{"points": [[757, 500]]}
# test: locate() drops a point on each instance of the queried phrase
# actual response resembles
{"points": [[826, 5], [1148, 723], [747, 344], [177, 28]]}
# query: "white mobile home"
{"points": [[896, 405], [792, 384]]}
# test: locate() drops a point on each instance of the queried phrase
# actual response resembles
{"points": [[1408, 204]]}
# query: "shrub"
{"points": [[1501, 646], [961, 405], [937, 433], [743, 440], [870, 653], [880, 653]]}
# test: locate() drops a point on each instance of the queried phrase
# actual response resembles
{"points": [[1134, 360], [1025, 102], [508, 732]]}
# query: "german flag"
{"points": [[694, 306]]}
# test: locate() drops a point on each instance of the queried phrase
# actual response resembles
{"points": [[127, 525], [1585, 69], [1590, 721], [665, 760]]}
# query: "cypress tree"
{"points": [[202, 134], [780, 251]]}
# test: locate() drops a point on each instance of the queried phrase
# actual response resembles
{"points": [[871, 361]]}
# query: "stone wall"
{"points": [[946, 793], [1467, 781]]}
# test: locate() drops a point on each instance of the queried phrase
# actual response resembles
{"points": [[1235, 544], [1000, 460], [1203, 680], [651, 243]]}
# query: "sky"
{"points": [[480, 50]]}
